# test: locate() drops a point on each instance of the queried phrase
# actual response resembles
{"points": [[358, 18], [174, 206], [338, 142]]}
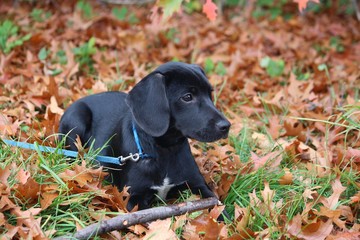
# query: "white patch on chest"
{"points": [[163, 189]]}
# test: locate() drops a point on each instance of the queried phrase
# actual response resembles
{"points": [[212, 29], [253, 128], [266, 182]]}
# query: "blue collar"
{"points": [[138, 144]]}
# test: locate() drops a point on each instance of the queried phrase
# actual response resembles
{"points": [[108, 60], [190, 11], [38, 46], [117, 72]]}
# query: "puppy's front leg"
{"points": [[203, 190], [143, 201]]}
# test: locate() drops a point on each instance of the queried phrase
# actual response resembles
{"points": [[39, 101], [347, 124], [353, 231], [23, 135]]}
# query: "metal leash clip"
{"points": [[133, 157]]}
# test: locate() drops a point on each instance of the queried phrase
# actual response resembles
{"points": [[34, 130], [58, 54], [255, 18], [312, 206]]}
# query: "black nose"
{"points": [[223, 126]]}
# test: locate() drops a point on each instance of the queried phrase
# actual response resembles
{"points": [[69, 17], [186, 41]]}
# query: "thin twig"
{"points": [[124, 221]]}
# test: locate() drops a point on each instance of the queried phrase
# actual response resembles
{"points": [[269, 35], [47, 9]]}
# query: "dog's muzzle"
{"points": [[223, 127]]}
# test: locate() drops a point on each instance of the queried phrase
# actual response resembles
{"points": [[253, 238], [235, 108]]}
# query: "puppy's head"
{"points": [[179, 93]]}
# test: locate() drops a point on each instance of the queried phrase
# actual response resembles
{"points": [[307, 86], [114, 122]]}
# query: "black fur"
{"points": [[168, 106]]}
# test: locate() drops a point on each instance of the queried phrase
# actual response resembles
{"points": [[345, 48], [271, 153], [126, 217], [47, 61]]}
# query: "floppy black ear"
{"points": [[149, 104], [198, 69]]}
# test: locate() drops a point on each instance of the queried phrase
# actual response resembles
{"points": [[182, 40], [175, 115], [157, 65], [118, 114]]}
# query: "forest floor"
{"points": [[290, 87]]}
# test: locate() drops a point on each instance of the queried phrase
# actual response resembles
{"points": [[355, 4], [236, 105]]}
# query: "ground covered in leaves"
{"points": [[290, 86]]}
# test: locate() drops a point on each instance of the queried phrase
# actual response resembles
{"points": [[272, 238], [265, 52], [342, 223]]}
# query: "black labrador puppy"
{"points": [[154, 120]]}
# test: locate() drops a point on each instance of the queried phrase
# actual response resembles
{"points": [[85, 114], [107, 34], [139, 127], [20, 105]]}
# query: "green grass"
{"points": [[68, 210], [291, 195], [71, 209], [9, 37]]}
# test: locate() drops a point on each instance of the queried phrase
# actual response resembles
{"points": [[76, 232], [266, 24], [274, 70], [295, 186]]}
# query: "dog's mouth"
{"points": [[204, 136]]}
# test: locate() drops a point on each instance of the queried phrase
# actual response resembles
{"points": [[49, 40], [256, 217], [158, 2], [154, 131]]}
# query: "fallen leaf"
{"points": [[209, 8], [261, 140], [160, 229], [5, 173], [83, 175], [334, 215], [22, 176], [296, 129], [287, 178], [267, 194], [309, 193], [207, 227], [302, 3], [318, 230], [344, 236], [353, 154], [11, 231], [272, 160], [54, 107], [47, 199], [356, 198], [242, 216], [332, 201], [29, 191], [274, 127]]}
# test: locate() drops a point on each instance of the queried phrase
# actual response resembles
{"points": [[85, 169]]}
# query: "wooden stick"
{"points": [[123, 221]]}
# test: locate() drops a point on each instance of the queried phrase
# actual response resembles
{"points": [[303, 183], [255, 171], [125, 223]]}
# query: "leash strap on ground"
{"points": [[68, 153]]}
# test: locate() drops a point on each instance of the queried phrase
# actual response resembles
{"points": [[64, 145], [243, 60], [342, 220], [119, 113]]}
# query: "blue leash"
{"points": [[69, 153], [138, 145], [104, 159]]}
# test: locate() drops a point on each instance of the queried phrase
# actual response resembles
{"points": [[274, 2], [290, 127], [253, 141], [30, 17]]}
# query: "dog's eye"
{"points": [[187, 97]]}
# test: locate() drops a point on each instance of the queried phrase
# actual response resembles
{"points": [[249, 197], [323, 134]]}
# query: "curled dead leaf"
{"points": [[22, 176], [47, 199], [295, 128], [271, 160], [356, 198], [160, 229], [332, 201], [287, 178], [29, 191], [261, 140], [242, 216], [318, 230], [54, 107], [353, 154]]}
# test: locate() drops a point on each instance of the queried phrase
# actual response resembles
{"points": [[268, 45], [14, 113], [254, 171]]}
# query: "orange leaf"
{"points": [[22, 176], [356, 197], [242, 216], [287, 179], [262, 161], [30, 228], [54, 107], [302, 3], [309, 193], [82, 178], [353, 154], [296, 129], [216, 211], [318, 230], [160, 229], [11, 231], [335, 215], [208, 226], [47, 198], [116, 199], [209, 9], [28, 191], [82, 175], [5, 173], [333, 200], [267, 194], [274, 126], [344, 236]]}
